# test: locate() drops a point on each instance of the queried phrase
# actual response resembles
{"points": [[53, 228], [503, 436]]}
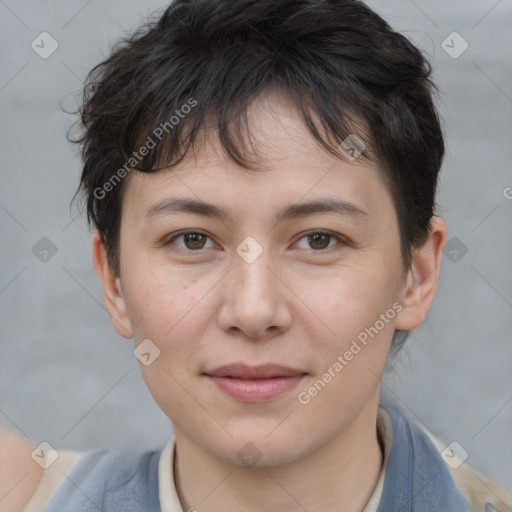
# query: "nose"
{"points": [[255, 302]]}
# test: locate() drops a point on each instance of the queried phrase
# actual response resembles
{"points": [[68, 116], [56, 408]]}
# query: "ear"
{"points": [[111, 284], [422, 278]]}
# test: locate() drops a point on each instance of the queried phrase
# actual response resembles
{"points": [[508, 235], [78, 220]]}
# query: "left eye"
{"points": [[319, 240]]}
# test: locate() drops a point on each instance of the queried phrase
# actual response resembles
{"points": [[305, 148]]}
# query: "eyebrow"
{"points": [[171, 206]]}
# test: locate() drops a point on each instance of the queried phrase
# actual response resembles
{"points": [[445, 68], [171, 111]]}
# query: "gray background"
{"points": [[66, 377]]}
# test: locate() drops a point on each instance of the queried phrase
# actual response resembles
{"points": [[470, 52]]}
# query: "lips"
{"points": [[241, 371], [255, 383]]}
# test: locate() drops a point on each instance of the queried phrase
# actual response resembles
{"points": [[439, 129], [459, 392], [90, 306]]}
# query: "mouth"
{"points": [[255, 383]]}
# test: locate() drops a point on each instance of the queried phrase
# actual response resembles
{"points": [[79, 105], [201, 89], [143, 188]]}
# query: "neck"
{"points": [[340, 475]]}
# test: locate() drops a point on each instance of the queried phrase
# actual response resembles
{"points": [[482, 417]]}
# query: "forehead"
{"points": [[289, 166]]}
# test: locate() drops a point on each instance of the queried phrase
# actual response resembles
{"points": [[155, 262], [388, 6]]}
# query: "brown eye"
{"points": [[319, 240], [194, 240], [191, 241]]}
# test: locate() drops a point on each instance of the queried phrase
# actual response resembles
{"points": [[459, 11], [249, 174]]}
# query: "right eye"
{"points": [[193, 241]]}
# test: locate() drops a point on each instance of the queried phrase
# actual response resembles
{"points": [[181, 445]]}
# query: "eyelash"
{"points": [[340, 240]]}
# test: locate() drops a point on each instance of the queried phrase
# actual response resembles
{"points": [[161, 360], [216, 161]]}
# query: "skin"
{"points": [[299, 304], [20, 476]]}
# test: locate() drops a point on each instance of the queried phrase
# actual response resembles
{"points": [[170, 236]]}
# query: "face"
{"points": [[263, 280]]}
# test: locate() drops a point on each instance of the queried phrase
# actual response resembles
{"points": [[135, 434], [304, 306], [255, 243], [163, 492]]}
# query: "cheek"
{"points": [[357, 307], [167, 309], [356, 297], [158, 301], [350, 362]]}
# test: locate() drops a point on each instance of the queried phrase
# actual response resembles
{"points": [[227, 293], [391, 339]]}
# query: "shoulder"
{"points": [[71, 480], [52, 478], [478, 490], [420, 455], [115, 479], [19, 474], [29, 475]]}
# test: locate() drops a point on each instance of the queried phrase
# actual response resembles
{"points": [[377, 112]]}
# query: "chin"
{"points": [[256, 448]]}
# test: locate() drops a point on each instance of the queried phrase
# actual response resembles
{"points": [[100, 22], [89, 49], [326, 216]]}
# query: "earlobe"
{"points": [[422, 278], [111, 285]]}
